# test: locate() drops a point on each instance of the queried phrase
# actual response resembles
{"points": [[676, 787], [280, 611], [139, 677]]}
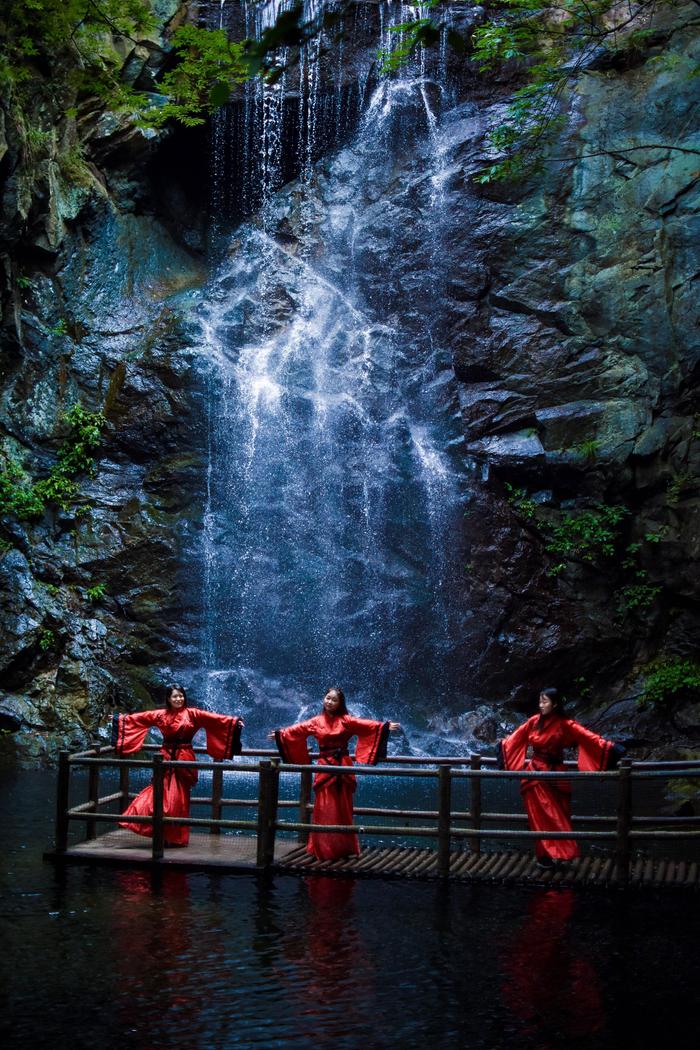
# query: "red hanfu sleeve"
{"points": [[129, 731], [292, 742], [223, 733], [512, 749], [372, 739], [594, 752]]}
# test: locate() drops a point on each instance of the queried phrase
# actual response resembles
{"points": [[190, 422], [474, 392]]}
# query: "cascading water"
{"points": [[332, 538]]}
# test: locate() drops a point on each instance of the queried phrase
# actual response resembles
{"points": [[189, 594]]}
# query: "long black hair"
{"points": [[555, 696], [174, 689], [343, 709]]}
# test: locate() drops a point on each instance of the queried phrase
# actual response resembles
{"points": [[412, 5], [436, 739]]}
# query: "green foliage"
{"points": [[23, 282], [587, 449], [637, 596], [47, 640], [512, 169], [75, 455], [552, 45], [532, 119], [5, 546], [521, 502], [631, 552], [421, 32], [683, 789], [589, 535], [669, 679], [656, 537], [279, 45], [39, 35], [209, 64], [27, 500], [640, 594], [74, 167], [57, 489], [59, 328], [676, 487], [496, 43], [17, 494], [97, 591], [37, 143], [582, 686]]}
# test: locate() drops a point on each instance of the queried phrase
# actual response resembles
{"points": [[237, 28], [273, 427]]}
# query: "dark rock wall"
{"points": [[99, 269], [574, 327]]}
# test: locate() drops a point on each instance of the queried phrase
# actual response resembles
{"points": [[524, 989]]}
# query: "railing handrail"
{"points": [[449, 823], [233, 766], [571, 768]]}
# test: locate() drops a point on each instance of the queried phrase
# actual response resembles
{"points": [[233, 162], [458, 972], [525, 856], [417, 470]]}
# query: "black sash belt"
{"points": [[549, 757], [333, 752]]}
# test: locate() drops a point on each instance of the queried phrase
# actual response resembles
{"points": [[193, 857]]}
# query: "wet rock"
{"points": [[574, 352], [17, 712], [512, 451], [478, 726]]}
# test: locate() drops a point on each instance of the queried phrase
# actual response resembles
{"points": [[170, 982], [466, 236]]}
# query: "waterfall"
{"points": [[332, 541]]}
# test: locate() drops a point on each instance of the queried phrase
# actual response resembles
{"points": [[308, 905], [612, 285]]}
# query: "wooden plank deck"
{"points": [[215, 852], [237, 853]]}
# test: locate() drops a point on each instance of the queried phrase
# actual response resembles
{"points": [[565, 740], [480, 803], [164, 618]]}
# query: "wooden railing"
{"points": [[443, 824]]}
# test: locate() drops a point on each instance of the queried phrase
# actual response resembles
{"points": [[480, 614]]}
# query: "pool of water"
{"points": [[117, 958]]}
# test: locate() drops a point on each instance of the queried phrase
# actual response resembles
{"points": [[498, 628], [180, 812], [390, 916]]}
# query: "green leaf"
{"points": [[219, 94]]}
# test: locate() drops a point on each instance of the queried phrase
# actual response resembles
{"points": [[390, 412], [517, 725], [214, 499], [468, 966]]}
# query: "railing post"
{"points": [[268, 794], [444, 818], [123, 787], [157, 807], [62, 797], [304, 800], [217, 783], [475, 812], [93, 796], [624, 821]]}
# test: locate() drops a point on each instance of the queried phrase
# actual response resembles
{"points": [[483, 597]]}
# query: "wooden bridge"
{"points": [[626, 849]]}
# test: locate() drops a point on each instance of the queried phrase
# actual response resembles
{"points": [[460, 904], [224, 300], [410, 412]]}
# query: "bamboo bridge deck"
{"points": [[624, 850], [238, 854]]}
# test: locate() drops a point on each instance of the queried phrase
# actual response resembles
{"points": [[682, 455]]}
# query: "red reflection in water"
{"points": [[550, 987], [331, 976], [157, 950]]}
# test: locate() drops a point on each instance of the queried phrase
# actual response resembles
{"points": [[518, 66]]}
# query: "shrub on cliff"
{"points": [[26, 500]]}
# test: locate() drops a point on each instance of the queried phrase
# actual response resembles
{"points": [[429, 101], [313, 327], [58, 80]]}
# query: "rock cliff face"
{"points": [[575, 331], [97, 282], [569, 307]]}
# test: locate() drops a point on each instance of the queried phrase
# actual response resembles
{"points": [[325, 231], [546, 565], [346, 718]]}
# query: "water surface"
{"points": [[117, 958]]}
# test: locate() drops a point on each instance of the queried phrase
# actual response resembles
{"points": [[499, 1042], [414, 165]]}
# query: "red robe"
{"points": [[178, 728], [333, 801], [548, 802]]}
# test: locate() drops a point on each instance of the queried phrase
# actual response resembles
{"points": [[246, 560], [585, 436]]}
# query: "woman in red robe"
{"points": [[178, 724], [548, 802], [333, 729]]}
